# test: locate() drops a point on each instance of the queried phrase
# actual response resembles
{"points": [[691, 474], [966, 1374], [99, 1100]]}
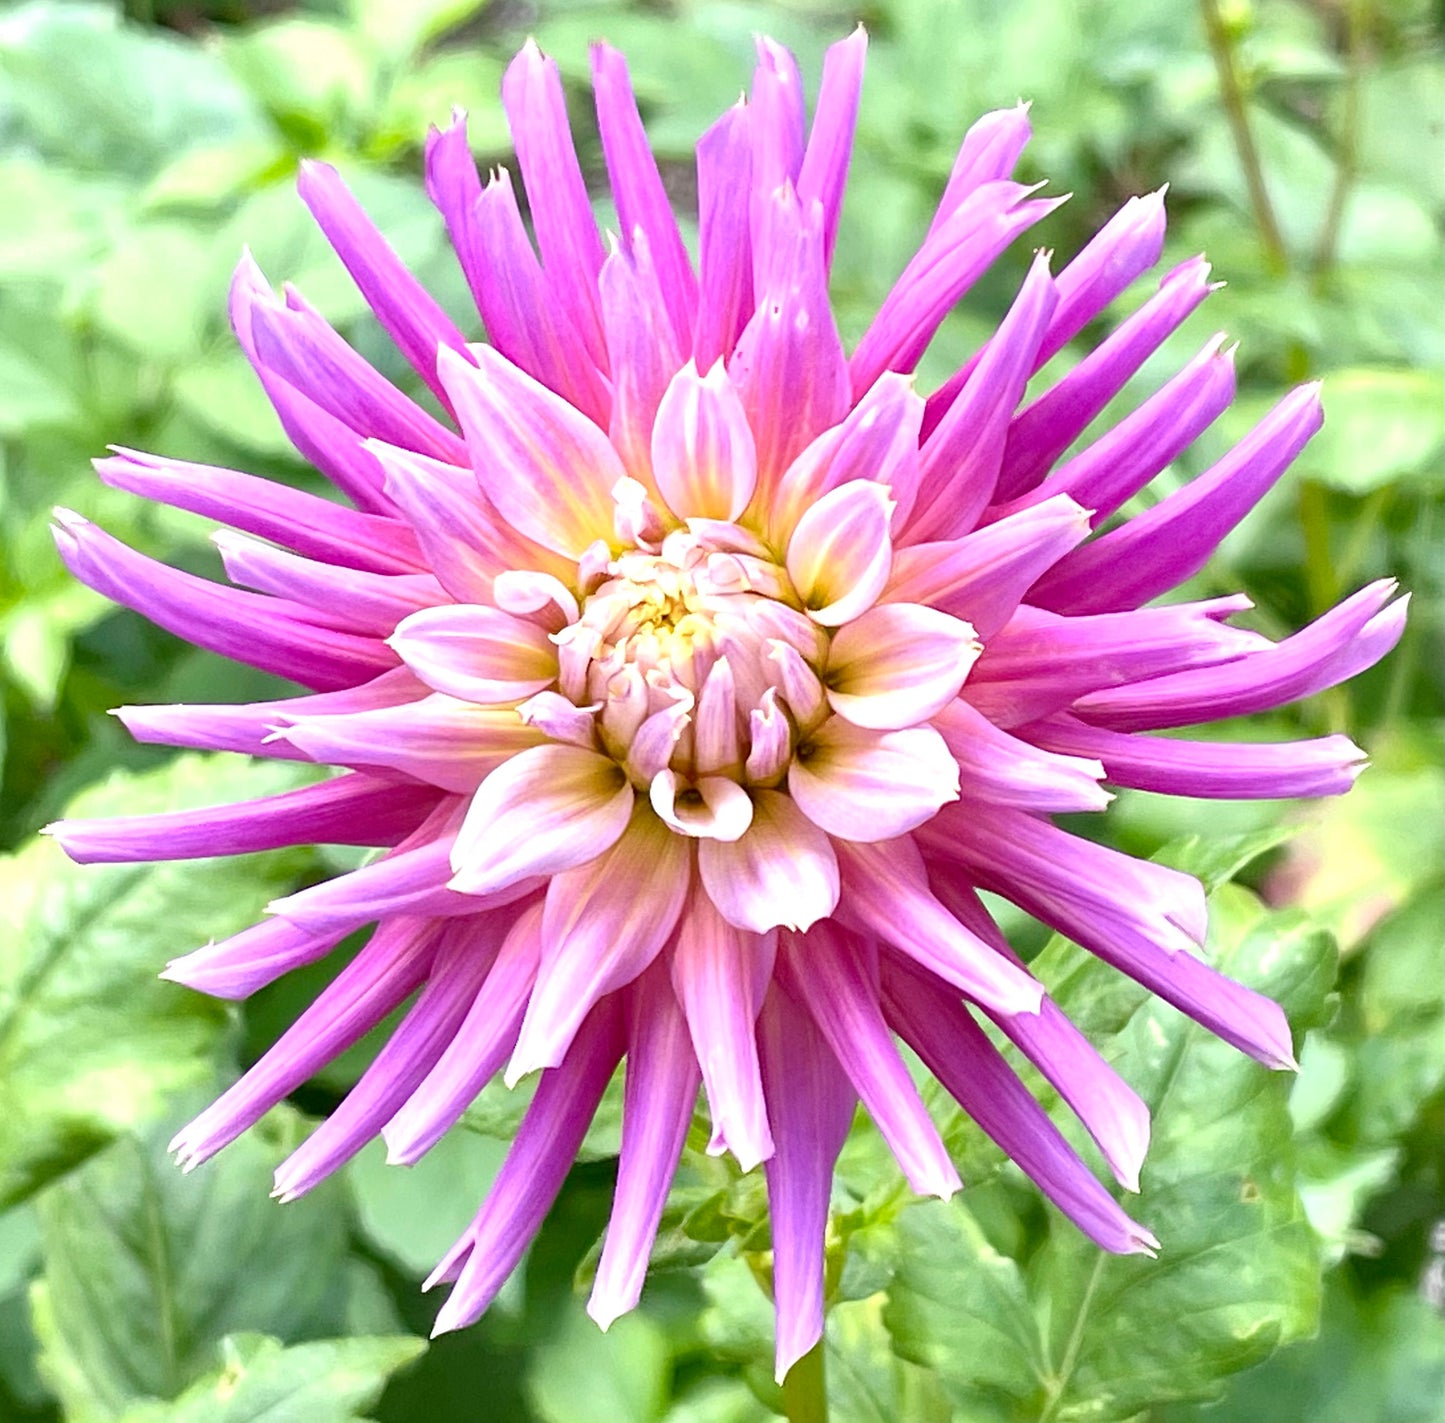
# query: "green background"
{"points": [[138, 153]]}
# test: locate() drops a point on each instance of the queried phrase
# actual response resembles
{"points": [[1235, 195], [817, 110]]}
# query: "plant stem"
{"points": [[805, 1399], [1356, 23], [1231, 93]]}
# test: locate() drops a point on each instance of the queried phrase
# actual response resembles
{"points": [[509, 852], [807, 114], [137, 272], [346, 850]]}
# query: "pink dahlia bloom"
{"points": [[694, 675]]}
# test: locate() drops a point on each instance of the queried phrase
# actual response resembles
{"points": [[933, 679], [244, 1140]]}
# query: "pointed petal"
{"points": [[831, 975], [660, 1092], [703, 457], [545, 465], [898, 665], [547, 809], [811, 1106], [603, 924], [871, 785], [544, 1149], [721, 974], [476, 654], [824, 170], [781, 872]]}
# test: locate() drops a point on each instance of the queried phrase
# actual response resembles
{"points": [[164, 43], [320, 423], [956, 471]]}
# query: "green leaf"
{"points": [[147, 1267], [397, 28], [415, 1214], [1082, 1335], [91, 1042], [581, 1375], [260, 1381], [1380, 425]]}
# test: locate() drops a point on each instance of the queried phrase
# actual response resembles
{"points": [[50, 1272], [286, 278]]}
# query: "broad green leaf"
{"points": [[93, 91], [1082, 1335], [261, 1381], [91, 1042], [1381, 425], [1378, 1357], [581, 1375], [415, 1214], [147, 1267]]}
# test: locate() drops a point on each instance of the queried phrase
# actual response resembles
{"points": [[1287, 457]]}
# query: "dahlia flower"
{"points": [[693, 675]]}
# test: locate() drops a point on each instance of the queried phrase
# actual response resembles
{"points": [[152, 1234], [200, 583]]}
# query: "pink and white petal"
{"points": [[348, 810], [703, 456], [811, 1106], [658, 1101], [835, 978], [782, 872], [721, 975], [1001, 769], [437, 739], [983, 576], [567, 235], [410, 314], [713, 808], [464, 951], [898, 664], [958, 1053], [477, 654], [387, 969], [237, 967], [311, 526], [547, 809], [477, 1050], [840, 554], [1213, 770], [989, 152], [1110, 1110], [867, 785], [878, 440], [725, 267], [545, 465], [887, 894], [602, 924], [561, 720]]}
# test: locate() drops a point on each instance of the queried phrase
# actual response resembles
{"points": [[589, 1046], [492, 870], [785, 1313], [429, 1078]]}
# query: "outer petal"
{"points": [[811, 1105], [529, 1180], [545, 465], [603, 924], [898, 665], [840, 554], [830, 974], [703, 456], [545, 810], [476, 654], [660, 1093], [871, 785], [721, 974], [781, 872]]}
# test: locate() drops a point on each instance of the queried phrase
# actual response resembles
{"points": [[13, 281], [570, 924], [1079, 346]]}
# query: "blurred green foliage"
{"points": [[138, 153]]}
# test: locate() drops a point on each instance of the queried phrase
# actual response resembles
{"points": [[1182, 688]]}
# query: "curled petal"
{"points": [[898, 665], [716, 808], [840, 554], [476, 654], [871, 785], [781, 872], [545, 810]]}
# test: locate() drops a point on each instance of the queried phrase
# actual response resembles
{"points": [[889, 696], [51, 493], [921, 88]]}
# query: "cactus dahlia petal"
{"points": [[695, 674]]}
